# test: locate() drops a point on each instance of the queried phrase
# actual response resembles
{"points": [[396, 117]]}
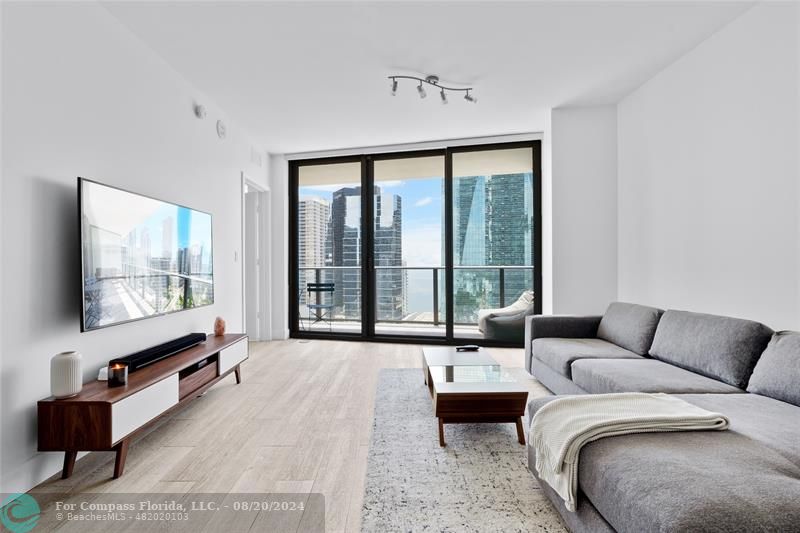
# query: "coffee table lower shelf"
{"points": [[484, 407]]}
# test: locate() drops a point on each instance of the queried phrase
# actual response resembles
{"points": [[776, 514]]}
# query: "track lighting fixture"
{"points": [[434, 81]]}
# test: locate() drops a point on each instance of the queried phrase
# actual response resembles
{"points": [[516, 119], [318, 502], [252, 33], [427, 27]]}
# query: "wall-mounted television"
{"points": [[140, 257]]}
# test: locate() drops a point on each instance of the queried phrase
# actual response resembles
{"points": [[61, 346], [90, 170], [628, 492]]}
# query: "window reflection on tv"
{"points": [[141, 257]]}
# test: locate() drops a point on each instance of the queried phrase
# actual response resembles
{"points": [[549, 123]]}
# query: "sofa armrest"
{"points": [[561, 326]]}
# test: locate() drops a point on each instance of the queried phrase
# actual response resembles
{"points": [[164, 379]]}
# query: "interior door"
{"points": [[252, 264]]}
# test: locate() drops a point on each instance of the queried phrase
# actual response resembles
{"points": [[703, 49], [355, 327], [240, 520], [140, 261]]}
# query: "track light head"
{"points": [[433, 81]]}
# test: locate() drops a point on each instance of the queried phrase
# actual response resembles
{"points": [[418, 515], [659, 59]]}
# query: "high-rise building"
{"points": [[313, 216], [492, 218], [313, 230], [390, 287], [469, 215], [509, 224], [167, 238], [344, 250]]}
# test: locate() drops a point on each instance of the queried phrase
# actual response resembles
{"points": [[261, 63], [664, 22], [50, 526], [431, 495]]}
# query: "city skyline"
{"points": [[493, 224], [421, 223]]}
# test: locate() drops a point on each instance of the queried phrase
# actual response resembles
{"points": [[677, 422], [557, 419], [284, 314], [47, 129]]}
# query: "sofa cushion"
{"points": [[631, 326], [602, 376], [552, 380], [777, 373], [718, 347], [744, 479], [559, 354]]}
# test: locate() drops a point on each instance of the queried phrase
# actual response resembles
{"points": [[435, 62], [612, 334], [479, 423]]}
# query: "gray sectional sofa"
{"points": [[743, 479]]}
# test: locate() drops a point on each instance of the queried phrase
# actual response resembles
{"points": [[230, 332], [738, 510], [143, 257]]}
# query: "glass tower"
{"points": [[343, 250], [389, 282], [493, 223]]}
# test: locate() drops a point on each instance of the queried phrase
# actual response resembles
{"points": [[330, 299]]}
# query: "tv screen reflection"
{"points": [[141, 257]]}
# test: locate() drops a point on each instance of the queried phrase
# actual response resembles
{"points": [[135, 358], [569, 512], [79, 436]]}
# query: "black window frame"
{"points": [[367, 226]]}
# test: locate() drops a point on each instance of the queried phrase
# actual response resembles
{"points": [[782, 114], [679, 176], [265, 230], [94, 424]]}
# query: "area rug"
{"points": [[478, 482]]}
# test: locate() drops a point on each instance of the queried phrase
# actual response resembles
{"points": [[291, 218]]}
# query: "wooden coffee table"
{"points": [[470, 387]]}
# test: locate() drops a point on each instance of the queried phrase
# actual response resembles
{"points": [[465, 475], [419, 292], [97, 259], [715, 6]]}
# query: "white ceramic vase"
{"points": [[66, 378]]}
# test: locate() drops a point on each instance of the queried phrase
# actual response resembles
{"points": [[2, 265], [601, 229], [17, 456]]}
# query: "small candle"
{"points": [[117, 375]]}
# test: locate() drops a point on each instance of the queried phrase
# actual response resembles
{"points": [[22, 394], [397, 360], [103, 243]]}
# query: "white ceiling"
{"points": [[312, 76]]}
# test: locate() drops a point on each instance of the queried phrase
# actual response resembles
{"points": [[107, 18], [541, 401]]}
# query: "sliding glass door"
{"points": [[415, 245], [328, 235], [408, 246], [493, 234]]}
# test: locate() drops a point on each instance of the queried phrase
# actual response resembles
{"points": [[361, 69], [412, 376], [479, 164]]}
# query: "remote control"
{"points": [[468, 348]]}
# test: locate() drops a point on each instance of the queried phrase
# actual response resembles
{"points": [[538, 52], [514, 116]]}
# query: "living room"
{"points": [[286, 218]]}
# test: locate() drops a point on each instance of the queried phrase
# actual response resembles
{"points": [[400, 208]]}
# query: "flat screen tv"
{"points": [[140, 257]]}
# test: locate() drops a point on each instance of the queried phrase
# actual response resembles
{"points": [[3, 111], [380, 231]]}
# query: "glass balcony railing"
{"points": [[414, 296]]}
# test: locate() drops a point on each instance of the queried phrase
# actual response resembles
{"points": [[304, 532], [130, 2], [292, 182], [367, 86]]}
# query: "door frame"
{"points": [[368, 309], [536, 234], [263, 243], [294, 260]]}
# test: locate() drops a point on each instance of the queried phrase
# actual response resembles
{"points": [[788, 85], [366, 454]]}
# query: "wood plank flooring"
{"points": [[300, 422]]}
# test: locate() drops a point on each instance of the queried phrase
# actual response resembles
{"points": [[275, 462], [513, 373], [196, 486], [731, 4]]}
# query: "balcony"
{"points": [[411, 299]]}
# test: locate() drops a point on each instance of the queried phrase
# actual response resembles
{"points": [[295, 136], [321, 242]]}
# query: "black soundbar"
{"points": [[137, 361]]}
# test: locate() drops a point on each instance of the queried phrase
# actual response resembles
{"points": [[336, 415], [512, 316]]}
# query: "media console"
{"points": [[105, 419]]}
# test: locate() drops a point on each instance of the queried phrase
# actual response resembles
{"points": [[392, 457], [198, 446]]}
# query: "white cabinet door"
{"points": [[232, 355], [134, 411]]}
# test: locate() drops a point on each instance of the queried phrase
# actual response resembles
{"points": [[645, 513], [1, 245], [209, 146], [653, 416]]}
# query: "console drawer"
{"points": [[196, 376], [232, 355], [132, 412]]}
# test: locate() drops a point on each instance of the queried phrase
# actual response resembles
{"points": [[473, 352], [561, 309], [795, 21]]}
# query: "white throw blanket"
{"points": [[561, 428]]}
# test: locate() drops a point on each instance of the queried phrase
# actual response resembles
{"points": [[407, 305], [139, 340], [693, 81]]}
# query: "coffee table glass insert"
{"points": [[469, 374]]}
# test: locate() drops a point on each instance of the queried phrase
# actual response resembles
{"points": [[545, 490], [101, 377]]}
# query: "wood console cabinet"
{"points": [[104, 419]]}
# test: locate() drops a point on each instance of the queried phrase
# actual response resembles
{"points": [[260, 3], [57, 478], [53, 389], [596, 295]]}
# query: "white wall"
{"points": [[547, 217], [279, 185], [584, 209], [708, 176], [84, 97]]}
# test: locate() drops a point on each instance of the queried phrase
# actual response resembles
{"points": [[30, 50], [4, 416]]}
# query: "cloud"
{"points": [[422, 245], [423, 201]]}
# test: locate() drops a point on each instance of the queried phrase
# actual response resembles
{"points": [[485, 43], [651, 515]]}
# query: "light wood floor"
{"points": [[300, 422]]}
